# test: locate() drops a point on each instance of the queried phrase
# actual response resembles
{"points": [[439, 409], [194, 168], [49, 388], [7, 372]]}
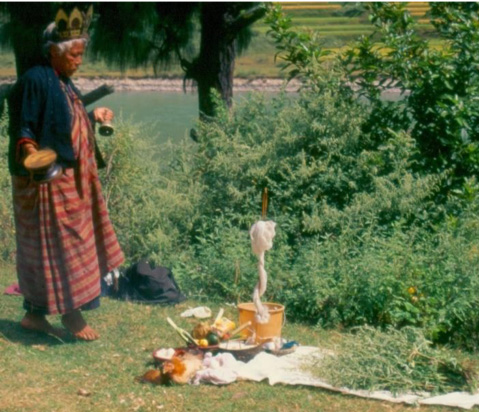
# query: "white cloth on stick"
{"points": [[262, 234]]}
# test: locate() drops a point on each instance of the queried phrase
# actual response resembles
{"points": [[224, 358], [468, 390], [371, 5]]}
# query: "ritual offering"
{"points": [[222, 325], [42, 166], [174, 366], [266, 318], [240, 349], [200, 338], [206, 336], [164, 354], [181, 368], [152, 376], [280, 346]]}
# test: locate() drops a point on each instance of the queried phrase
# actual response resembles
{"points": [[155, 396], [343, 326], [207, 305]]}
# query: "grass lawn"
{"points": [[39, 373]]}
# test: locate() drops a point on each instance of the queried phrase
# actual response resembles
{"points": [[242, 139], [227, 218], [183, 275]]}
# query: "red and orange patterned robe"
{"points": [[65, 240]]}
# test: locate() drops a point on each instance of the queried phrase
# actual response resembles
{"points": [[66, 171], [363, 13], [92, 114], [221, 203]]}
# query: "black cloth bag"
{"points": [[152, 285]]}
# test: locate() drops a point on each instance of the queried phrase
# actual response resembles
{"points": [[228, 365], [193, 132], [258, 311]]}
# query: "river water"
{"points": [[171, 114]]}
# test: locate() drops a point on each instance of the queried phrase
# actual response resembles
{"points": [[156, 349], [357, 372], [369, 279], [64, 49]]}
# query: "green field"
{"points": [[336, 30], [329, 19]]}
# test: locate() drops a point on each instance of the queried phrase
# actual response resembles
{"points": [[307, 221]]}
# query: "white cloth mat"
{"points": [[290, 370]]}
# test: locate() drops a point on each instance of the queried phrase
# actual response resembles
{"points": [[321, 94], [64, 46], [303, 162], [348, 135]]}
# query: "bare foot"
{"points": [[39, 323], [75, 323]]}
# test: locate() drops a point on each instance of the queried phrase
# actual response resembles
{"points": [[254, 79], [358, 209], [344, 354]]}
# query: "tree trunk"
{"points": [[28, 21], [214, 67]]}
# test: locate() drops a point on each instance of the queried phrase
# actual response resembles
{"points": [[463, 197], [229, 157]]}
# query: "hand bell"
{"points": [[106, 128]]}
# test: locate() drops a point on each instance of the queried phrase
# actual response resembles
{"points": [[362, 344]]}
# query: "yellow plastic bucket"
{"points": [[264, 331]]}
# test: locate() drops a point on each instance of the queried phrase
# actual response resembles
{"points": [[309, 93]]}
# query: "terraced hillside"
{"points": [[337, 23]]}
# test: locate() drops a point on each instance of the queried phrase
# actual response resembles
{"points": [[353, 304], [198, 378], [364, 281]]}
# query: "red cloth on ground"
{"points": [[13, 289]]}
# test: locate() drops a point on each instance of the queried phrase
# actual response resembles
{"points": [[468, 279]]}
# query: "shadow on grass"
{"points": [[14, 333]]}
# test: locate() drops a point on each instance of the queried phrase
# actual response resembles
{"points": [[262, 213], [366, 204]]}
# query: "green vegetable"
{"points": [[212, 338], [183, 333]]}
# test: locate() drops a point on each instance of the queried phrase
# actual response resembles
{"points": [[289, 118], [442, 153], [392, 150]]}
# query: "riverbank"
{"points": [[172, 84]]}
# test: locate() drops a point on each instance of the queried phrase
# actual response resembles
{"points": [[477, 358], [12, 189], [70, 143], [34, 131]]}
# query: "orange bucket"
{"points": [[264, 331]]}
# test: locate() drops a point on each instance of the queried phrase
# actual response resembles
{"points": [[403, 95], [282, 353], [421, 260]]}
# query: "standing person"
{"points": [[65, 240]]}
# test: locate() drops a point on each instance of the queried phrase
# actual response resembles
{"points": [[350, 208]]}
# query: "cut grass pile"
{"points": [[398, 361]]}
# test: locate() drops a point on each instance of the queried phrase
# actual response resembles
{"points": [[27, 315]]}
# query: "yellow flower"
{"points": [[411, 290], [473, 253]]}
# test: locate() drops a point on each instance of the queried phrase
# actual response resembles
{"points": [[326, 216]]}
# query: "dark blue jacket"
{"points": [[38, 109]]}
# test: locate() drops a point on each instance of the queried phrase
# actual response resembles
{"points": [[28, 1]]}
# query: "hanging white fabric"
{"points": [[262, 234]]}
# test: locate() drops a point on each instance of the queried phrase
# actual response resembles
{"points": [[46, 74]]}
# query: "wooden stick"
{"points": [[240, 328], [219, 315], [264, 206], [97, 94]]}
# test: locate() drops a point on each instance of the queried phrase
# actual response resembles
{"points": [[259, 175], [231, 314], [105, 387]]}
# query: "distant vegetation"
{"points": [[338, 24]]}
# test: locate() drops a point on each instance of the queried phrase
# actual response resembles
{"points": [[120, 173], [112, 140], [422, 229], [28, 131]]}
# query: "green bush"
{"points": [[377, 245], [152, 212], [356, 239], [440, 87]]}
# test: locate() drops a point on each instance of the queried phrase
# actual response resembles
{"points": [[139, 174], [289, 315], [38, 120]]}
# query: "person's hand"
{"points": [[28, 149], [102, 114]]}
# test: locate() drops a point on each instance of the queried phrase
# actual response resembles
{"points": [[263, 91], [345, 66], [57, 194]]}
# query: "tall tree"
{"points": [[224, 30], [135, 34], [23, 31], [142, 34]]}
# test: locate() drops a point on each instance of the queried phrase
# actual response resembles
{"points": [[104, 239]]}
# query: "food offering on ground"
{"points": [[201, 330], [203, 343], [213, 338], [222, 326], [205, 336], [178, 368], [240, 349], [164, 354]]}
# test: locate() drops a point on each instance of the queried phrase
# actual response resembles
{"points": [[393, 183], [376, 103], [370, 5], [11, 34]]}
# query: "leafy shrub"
{"points": [[440, 86], [375, 230], [357, 238], [150, 211]]}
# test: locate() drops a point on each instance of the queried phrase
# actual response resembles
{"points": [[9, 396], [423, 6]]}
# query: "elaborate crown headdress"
{"points": [[73, 26]]}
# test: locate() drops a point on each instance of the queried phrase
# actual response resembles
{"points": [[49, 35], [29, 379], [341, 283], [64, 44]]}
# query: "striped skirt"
{"points": [[64, 244]]}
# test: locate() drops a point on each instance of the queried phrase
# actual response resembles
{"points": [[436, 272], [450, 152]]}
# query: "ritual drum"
{"points": [[42, 166]]}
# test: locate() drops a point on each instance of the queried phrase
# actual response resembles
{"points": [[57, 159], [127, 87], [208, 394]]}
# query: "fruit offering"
{"points": [[205, 335], [201, 330]]}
